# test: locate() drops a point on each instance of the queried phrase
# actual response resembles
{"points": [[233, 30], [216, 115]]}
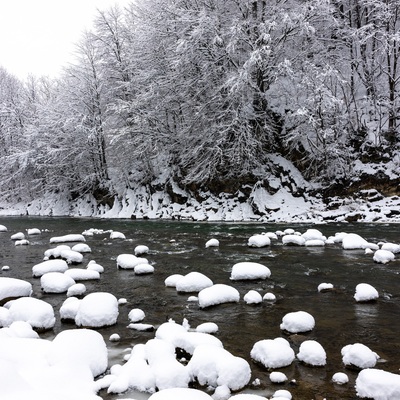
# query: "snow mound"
{"points": [[312, 353], [180, 394], [136, 315], [12, 288], [68, 238], [313, 234], [38, 313], [218, 294], [18, 236], [359, 355], [212, 243], [97, 309], [252, 297], [81, 248], [69, 308], [249, 270], [377, 384], [171, 280], [297, 322], [193, 282], [277, 377], [273, 353], [140, 250], [143, 269], [55, 252], [49, 266], [71, 256], [3, 228], [117, 235], [314, 243], [340, 378], [394, 248], [293, 240], [383, 256], [324, 287], [353, 241], [56, 282], [79, 274], [259, 240], [33, 231], [78, 289], [129, 261], [215, 366], [207, 327], [365, 292], [79, 346]]}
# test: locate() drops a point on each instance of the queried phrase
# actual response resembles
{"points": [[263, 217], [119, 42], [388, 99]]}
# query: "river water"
{"points": [[179, 247]]}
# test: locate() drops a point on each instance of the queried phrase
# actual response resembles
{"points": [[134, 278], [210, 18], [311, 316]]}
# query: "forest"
{"points": [[204, 94]]}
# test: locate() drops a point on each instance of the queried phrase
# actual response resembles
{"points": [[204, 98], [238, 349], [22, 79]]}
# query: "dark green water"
{"points": [[179, 247]]}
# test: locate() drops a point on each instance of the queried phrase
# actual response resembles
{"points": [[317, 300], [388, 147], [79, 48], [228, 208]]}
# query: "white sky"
{"points": [[38, 36]]}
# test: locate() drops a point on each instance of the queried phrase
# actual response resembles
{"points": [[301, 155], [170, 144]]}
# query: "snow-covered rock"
{"points": [[55, 252], [33, 231], [340, 378], [311, 352], [359, 355], [93, 266], [140, 250], [212, 243], [393, 247], [293, 240], [49, 266], [378, 384], [97, 309], [23, 242], [269, 296], [215, 366], [18, 236], [143, 269], [69, 308], [38, 313], [252, 297], [3, 228], [218, 294], [136, 315], [193, 282], [297, 322], [68, 238], [277, 377], [247, 270], [80, 274], [171, 280], [207, 327], [259, 240], [353, 241], [325, 286], [117, 235], [180, 394], [71, 256], [129, 261], [81, 248], [11, 288], [78, 289], [383, 256], [313, 234], [56, 282], [273, 353], [365, 292]]}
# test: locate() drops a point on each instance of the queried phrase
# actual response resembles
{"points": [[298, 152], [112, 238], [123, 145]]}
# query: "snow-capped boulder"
{"points": [[56, 282], [93, 266], [353, 241], [117, 235], [207, 327], [18, 236], [215, 366], [11, 288], [80, 274], [68, 238], [79, 289], [365, 292], [55, 252], [340, 378], [378, 384], [81, 248], [212, 243], [171, 280], [252, 297], [313, 234], [3, 228], [294, 240], [136, 315], [218, 294], [193, 282], [143, 269], [277, 377], [314, 243], [33, 231], [97, 309], [297, 322], [180, 394], [359, 355], [140, 250], [49, 266], [69, 308], [129, 261], [383, 256], [393, 247], [259, 240], [323, 287], [312, 353], [38, 313], [273, 353], [249, 270], [71, 256]]}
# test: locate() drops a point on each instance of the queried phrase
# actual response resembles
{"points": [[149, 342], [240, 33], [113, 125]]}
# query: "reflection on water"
{"points": [[179, 247]]}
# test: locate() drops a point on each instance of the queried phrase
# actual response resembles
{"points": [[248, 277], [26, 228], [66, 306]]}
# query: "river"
{"points": [[179, 247]]}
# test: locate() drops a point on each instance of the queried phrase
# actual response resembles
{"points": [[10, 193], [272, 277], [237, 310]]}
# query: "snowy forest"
{"points": [[204, 96]]}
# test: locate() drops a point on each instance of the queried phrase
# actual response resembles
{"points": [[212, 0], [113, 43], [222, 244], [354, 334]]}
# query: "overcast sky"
{"points": [[38, 36]]}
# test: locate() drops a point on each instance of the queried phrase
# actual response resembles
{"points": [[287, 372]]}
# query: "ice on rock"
{"points": [[247, 270], [81, 248], [218, 294], [212, 243], [215, 366], [295, 240], [56, 282], [79, 347], [136, 315], [340, 378], [117, 235], [78, 289], [79, 274], [365, 292], [68, 238], [312, 353], [97, 309], [378, 384], [359, 355], [129, 261], [273, 353], [11, 288], [193, 282], [383, 256], [180, 394], [140, 250], [277, 377], [297, 322], [171, 280], [49, 266], [252, 297], [38, 313], [353, 241], [207, 327], [259, 240]]}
